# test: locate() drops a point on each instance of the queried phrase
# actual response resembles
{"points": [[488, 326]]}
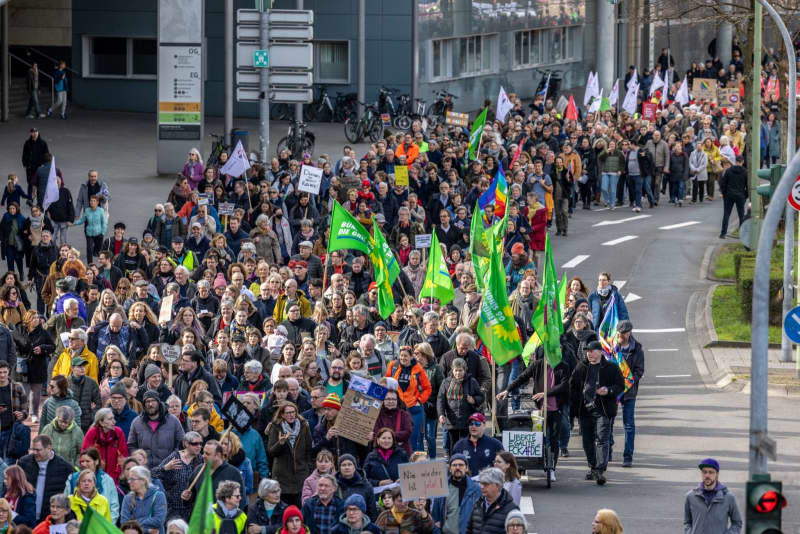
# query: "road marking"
{"points": [[620, 221], [658, 330], [574, 262], [632, 297], [673, 376], [601, 209], [679, 225], [662, 350], [526, 506], [620, 284], [619, 240]]}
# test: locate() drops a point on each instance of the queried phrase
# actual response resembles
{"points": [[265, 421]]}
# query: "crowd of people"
{"points": [[235, 274]]}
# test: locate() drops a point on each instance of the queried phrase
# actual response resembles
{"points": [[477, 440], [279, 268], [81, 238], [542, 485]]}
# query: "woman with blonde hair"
{"points": [[606, 521], [107, 306], [142, 315], [124, 291], [113, 368], [5, 517], [235, 455], [87, 496]]}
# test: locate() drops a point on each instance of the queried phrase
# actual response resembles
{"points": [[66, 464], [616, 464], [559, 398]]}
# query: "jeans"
{"points": [[565, 426], [14, 256], [728, 203], [93, 244], [636, 179], [676, 191], [39, 280], [417, 427], [596, 431], [33, 103], [629, 424], [60, 234], [431, 426], [515, 371], [609, 187], [648, 190], [61, 100], [5, 435]]}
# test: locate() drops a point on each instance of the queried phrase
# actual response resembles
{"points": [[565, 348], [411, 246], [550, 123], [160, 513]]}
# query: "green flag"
{"points": [[496, 325], [383, 274], [605, 104], [562, 298], [347, 232], [475, 134], [202, 519], [95, 523], [546, 319], [479, 247], [530, 347], [438, 283]]}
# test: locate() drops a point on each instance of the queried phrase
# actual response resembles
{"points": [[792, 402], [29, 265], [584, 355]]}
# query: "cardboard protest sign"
{"points": [[728, 97], [360, 408], [171, 352], [456, 119], [704, 89], [649, 111], [519, 443], [400, 175], [236, 412], [422, 241], [423, 480], [310, 179], [226, 208], [165, 313]]}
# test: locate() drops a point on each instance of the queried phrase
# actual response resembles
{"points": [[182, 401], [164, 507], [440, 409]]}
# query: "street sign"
{"points": [[791, 324], [794, 195], [281, 56], [261, 59], [291, 17]]}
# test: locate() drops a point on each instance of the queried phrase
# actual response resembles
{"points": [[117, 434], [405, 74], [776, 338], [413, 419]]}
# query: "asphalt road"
{"points": [[679, 421]]}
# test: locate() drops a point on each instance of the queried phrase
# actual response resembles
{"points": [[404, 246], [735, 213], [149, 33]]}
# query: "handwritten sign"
{"points": [[422, 241], [310, 179], [704, 89], [359, 412], [649, 111], [456, 119], [518, 443], [165, 313], [171, 352], [423, 480], [400, 175], [202, 201], [226, 208], [236, 412]]}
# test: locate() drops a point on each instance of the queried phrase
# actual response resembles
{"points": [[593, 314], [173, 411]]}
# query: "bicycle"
{"points": [[218, 146], [404, 116], [443, 104], [298, 141], [321, 109], [369, 124], [281, 112], [344, 106]]}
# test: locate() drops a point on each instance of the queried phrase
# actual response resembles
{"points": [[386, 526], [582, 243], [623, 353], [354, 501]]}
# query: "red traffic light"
{"points": [[769, 501]]}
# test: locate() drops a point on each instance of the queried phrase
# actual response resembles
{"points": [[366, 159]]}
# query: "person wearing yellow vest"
{"points": [[179, 255], [87, 496], [77, 348], [228, 517]]}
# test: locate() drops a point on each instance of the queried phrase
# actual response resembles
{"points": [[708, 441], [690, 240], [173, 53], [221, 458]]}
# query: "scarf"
{"points": [[293, 431], [385, 453], [455, 390], [229, 514], [603, 292], [404, 378]]}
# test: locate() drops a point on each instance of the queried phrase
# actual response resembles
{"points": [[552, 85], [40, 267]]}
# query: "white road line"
{"points": [[620, 284], [619, 240], [526, 506], [574, 262], [632, 297], [662, 350], [602, 209], [658, 330], [620, 221], [679, 225], [673, 376]]}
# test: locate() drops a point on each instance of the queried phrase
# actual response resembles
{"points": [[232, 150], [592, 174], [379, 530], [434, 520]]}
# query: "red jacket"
{"points": [[538, 223], [111, 445]]}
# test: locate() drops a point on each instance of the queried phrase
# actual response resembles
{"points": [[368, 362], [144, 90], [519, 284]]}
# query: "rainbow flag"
{"points": [[496, 195], [704, 85], [608, 338]]}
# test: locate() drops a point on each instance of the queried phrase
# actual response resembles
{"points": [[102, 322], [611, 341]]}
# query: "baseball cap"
{"points": [[477, 416]]}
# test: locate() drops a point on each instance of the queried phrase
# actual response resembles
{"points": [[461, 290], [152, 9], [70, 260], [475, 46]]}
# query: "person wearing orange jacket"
{"points": [[414, 389], [407, 149]]}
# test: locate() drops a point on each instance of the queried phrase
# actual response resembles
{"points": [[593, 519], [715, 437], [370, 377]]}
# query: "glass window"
{"points": [[438, 60], [109, 56], [145, 57], [333, 61]]}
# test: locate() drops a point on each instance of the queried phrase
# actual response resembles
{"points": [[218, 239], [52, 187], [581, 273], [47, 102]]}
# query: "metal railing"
{"points": [[55, 61], [52, 80]]}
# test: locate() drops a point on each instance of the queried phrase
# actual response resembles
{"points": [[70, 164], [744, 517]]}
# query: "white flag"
{"points": [[629, 104], [588, 94], [504, 105], [657, 84], [51, 193], [665, 91], [594, 107], [634, 79], [238, 163], [614, 96], [682, 96]]}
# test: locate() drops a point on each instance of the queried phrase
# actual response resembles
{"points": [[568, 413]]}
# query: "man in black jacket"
{"points": [[489, 513], [733, 186], [191, 370], [632, 352], [33, 157], [594, 387], [57, 470], [43, 256]]}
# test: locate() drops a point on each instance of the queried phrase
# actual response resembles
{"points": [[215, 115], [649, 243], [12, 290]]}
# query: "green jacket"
{"points": [[66, 444]]}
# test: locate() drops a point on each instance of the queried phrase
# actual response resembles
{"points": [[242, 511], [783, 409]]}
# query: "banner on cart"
{"points": [[520, 443]]}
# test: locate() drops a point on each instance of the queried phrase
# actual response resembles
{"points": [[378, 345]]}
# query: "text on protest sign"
{"points": [[400, 175], [360, 408], [310, 179], [519, 443], [422, 241], [423, 480]]}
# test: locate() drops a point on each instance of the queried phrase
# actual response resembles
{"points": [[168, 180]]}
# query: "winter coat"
{"points": [[290, 465], [51, 405], [611, 162], [399, 421], [419, 387], [733, 183], [412, 523], [67, 444], [26, 510], [634, 355], [257, 515], [150, 511], [700, 518], [159, 443], [241, 462], [267, 247], [98, 503], [471, 496], [105, 487], [377, 469], [253, 446], [559, 390], [360, 485], [111, 446], [366, 526], [33, 152], [87, 393], [678, 167], [83, 196], [493, 519], [37, 363], [609, 376], [62, 210], [598, 309], [457, 412], [698, 165], [57, 471], [435, 377], [125, 419]]}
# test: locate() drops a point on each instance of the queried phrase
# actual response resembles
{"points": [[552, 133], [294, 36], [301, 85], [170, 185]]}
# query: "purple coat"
{"points": [[193, 172]]}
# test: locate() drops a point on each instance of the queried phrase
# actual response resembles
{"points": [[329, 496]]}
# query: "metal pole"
{"points": [[414, 50], [755, 125], [788, 237], [6, 61], [298, 108], [362, 55], [228, 70], [263, 102], [605, 40]]}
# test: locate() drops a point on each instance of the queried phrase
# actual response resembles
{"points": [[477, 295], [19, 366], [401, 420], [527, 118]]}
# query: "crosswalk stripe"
{"points": [[526, 506], [620, 221], [678, 225], [662, 350], [632, 297], [619, 240], [574, 262], [658, 330], [620, 284]]}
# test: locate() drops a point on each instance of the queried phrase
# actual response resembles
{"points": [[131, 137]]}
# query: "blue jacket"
{"points": [[597, 313], [150, 511], [81, 305], [124, 419], [479, 455], [471, 496], [26, 510], [253, 447]]}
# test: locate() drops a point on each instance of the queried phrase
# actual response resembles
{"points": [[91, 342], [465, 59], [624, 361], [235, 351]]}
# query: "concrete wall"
{"points": [[40, 22]]}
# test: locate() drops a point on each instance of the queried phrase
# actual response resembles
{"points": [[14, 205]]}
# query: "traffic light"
{"points": [[773, 174], [764, 504]]}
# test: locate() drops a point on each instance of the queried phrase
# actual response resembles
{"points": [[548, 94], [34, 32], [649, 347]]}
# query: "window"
{"points": [[332, 62], [527, 48], [120, 57], [464, 56], [542, 47]]}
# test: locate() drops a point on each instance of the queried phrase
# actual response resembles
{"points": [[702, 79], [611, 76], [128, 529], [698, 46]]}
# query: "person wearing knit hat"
{"points": [[355, 518], [332, 401], [219, 281], [118, 389], [516, 523], [469, 491], [353, 482], [293, 521]]}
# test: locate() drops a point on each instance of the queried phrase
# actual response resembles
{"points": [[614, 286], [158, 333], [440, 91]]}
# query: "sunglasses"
{"points": [[475, 423]]}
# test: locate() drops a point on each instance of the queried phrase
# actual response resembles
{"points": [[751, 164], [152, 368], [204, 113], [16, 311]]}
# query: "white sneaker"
{"points": [[552, 476], [34, 419]]}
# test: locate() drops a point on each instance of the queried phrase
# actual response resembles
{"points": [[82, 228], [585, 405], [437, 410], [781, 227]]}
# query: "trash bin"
{"points": [[237, 135]]}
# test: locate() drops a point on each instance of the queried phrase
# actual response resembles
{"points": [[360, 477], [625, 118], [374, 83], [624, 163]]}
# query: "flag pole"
{"points": [[494, 399]]}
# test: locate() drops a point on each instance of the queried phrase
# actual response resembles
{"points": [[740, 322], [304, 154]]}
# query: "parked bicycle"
{"points": [[404, 116], [298, 141], [344, 106], [281, 112], [321, 109], [440, 107], [218, 146], [369, 125]]}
